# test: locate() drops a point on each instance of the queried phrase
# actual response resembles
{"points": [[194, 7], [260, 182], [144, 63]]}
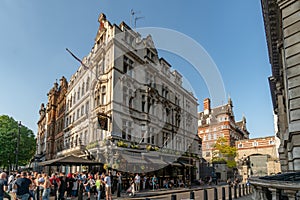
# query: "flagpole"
{"points": [[86, 67]]}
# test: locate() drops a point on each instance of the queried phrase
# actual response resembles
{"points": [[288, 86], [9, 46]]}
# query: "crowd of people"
{"points": [[40, 186]]}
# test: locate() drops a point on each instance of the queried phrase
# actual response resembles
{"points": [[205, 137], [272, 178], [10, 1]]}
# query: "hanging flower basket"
{"points": [[106, 166]]}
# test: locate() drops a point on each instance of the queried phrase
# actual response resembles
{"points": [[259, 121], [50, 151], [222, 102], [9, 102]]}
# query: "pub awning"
{"points": [[176, 164], [156, 161], [68, 160], [185, 164], [134, 159]]}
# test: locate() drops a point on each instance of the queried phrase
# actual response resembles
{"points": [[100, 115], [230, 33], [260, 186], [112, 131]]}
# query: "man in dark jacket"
{"points": [[23, 185], [63, 186]]}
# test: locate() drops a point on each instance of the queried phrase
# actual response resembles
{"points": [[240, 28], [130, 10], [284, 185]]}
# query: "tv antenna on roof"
{"points": [[134, 18]]}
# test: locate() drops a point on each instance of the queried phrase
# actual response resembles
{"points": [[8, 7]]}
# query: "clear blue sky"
{"points": [[34, 35]]}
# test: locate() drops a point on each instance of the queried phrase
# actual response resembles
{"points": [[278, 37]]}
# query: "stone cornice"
{"points": [[285, 185], [272, 28], [284, 3]]}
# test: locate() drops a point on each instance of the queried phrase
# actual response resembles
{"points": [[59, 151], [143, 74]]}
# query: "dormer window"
{"points": [[150, 55], [208, 121], [255, 144]]}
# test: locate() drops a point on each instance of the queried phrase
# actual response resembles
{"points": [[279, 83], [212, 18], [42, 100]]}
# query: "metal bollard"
{"points": [[240, 192], [173, 197], [216, 194], [205, 196], [243, 188], [234, 192], [229, 193], [223, 193], [118, 190], [248, 189], [192, 195]]}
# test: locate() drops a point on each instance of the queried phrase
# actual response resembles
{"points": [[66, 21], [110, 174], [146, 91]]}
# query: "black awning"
{"points": [[69, 160]]}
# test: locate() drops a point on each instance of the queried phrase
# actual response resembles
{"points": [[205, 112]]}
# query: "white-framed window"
{"points": [[208, 121], [125, 96], [255, 144], [87, 84], [128, 66], [215, 136], [207, 146], [103, 95], [82, 89], [271, 142], [240, 145], [78, 93], [126, 129], [87, 107], [82, 110], [209, 136]]}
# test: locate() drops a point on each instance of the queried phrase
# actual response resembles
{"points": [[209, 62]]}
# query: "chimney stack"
{"points": [[206, 105]]}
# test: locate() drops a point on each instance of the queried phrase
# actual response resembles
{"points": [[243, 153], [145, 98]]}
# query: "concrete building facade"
{"points": [[282, 22]]}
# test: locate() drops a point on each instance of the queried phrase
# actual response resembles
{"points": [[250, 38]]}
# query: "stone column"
{"points": [[258, 193], [275, 193], [291, 194]]}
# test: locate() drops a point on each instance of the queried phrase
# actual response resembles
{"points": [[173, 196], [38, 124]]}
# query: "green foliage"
{"points": [[8, 141], [224, 152]]}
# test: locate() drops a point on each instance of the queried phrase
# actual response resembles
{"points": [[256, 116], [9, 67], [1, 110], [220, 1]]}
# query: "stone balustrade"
{"points": [[268, 188]]}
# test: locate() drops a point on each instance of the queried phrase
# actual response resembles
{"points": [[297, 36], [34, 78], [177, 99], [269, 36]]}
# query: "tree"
{"points": [[9, 130], [224, 152]]}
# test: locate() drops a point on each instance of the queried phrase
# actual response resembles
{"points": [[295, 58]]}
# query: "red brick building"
{"points": [[217, 122], [55, 118]]}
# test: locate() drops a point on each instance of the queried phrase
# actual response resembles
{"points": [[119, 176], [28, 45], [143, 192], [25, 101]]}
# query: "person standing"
{"points": [[23, 185], [70, 183], [3, 185], [80, 189], [154, 181], [107, 182], [144, 182], [10, 180], [137, 181], [63, 186], [47, 188], [32, 188], [98, 186], [13, 192], [119, 185], [54, 180]]}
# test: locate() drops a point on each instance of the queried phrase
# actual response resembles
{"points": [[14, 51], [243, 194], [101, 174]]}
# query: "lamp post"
{"points": [[18, 143]]}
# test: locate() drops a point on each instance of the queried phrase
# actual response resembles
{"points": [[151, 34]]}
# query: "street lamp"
{"points": [[18, 143]]}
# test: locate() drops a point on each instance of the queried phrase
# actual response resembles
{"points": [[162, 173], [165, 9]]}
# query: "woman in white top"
{"points": [[107, 182]]}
